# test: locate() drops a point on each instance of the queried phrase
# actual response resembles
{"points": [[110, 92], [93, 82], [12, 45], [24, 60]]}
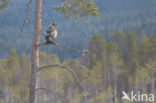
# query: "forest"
{"points": [[127, 15], [105, 51], [120, 63]]}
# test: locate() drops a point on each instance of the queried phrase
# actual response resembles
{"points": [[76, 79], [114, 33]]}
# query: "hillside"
{"points": [[127, 15]]}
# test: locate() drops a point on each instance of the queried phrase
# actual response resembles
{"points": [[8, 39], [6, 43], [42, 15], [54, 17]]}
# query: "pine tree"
{"points": [[132, 73], [151, 67], [131, 46], [145, 48], [118, 38], [153, 46], [116, 64], [97, 50], [131, 61]]}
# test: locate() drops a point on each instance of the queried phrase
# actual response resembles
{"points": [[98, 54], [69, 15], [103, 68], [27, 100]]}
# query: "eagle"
{"points": [[51, 33]]}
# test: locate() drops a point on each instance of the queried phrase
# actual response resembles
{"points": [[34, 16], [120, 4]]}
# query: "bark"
{"points": [[6, 98], [153, 83], [35, 53], [115, 88]]}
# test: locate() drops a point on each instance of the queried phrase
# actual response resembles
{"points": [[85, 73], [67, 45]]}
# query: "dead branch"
{"points": [[65, 47], [24, 22], [52, 65], [82, 66], [65, 67]]}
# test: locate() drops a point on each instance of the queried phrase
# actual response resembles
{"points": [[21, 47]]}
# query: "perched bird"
{"points": [[51, 33]]}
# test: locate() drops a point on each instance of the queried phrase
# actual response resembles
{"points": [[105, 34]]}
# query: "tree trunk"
{"points": [[153, 83], [35, 53], [115, 88], [6, 97]]}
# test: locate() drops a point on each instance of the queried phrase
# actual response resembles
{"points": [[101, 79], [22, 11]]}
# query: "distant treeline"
{"points": [[122, 63]]}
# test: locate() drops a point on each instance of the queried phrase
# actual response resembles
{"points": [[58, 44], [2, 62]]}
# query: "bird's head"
{"points": [[53, 23]]}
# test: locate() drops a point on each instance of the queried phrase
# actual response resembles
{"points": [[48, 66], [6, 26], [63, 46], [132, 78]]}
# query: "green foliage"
{"points": [[115, 62], [132, 47], [13, 53], [95, 79], [48, 59], [142, 78], [127, 101], [116, 36], [145, 47], [104, 70], [16, 77], [97, 50], [134, 67], [103, 97], [77, 8], [153, 46], [3, 4], [111, 48], [105, 62], [77, 96]]}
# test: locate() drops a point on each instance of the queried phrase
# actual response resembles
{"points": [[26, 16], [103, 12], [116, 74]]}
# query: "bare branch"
{"points": [[69, 48], [52, 65], [24, 22], [82, 66], [65, 67]]}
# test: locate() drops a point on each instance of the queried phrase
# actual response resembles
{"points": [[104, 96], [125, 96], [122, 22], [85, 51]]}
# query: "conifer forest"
{"points": [[104, 52]]}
